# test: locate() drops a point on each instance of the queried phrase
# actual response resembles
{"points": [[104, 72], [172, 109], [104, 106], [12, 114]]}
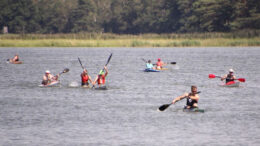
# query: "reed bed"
{"points": [[243, 38]]}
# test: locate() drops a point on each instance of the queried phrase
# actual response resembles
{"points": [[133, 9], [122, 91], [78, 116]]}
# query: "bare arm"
{"points": [[180, 98], [224, 77], [106, 71]]}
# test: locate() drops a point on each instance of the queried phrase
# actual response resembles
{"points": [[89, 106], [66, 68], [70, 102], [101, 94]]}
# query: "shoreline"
{"points": [[133, 42]]}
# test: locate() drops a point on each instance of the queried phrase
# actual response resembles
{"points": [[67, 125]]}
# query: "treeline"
{"points": [[129, 16]]}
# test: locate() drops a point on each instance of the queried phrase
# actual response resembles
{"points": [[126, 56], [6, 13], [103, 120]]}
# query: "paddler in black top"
{"points": [[229, 77], [192, 98]]}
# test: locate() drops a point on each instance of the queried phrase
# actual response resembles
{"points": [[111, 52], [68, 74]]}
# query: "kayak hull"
{"points": [[52, 84], [151, 70], [193, 110], [101, 88], [231, 84]]}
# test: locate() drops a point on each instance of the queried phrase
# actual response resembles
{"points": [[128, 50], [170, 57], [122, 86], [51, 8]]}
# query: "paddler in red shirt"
{"points": [[85, 78], [101, 78], [159, 64]]}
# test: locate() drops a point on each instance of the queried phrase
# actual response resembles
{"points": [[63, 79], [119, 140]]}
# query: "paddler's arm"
{"points": [[223, 78], [106, 71], [180, 98], [90, 80], [196, 97]]}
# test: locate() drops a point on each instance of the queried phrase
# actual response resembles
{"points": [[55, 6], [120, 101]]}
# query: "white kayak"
{"points": [[231, 84], [54, 83]]}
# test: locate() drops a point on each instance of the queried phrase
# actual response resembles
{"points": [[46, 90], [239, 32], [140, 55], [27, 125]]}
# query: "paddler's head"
{"points": [[159, 59], [85, 71], [231, 71], [101, 72], [47, 72], [194, 89], [149, 61]]}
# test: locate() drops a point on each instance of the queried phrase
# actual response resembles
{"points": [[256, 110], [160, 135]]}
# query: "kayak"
{"points": [[231, 84], [16, 62], [193, 110], [151, 70], [101, 88], [162, 69], [54, 83]]}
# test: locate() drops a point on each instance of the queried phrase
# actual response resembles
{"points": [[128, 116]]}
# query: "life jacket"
{"points": [[101, 79], [159, 63], [190, 102], [229, 78], [84, 78]]}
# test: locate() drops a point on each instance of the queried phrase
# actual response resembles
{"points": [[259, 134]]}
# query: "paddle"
{"points": [[144, 60], [81, 64], [165, 106], [64, 71], [213, 76]]}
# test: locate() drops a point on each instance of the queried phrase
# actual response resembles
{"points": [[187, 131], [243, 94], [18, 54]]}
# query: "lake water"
{"points": [[126, 113]]}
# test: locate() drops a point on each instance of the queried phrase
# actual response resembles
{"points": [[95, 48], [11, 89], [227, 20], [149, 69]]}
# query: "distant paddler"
{"points": [[149, 65], [101, 77], [229, 77], [85, 78], [48, 78], [15, 60], [160, 64]]}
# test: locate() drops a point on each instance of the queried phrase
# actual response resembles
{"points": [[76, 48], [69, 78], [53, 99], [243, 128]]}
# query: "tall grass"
{"points": [[243, 38]]}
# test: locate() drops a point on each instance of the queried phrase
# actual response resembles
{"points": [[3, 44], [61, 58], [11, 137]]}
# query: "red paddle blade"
{"points": [[212, 76], [241, 79]]}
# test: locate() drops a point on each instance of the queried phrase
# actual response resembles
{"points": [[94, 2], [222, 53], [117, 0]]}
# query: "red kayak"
{"points": [[231, 84]]}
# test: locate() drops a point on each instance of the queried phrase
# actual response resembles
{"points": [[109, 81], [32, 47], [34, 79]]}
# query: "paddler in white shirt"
{"points": [[48, 78]]}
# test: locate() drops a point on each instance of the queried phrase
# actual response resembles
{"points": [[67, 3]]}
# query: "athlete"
{"points": [[159, 64], [49, 78], [85, 78], [101, 78], [149, 65], [229, 77], [192, 98], [15, 59]]}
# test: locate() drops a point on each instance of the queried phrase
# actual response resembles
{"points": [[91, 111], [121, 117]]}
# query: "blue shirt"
{"points": [[149, 65]]}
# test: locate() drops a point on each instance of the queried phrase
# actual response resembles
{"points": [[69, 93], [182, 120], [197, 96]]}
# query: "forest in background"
{"points": [[129, 16]]}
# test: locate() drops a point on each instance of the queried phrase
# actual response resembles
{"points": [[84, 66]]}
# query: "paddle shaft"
{"points": [[81, 64]]}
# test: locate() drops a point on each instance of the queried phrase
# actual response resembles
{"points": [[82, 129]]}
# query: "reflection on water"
{"points": [[126, 113]]}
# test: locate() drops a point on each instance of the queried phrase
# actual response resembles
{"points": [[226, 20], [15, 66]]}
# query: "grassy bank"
{"points": [[145, 40]]}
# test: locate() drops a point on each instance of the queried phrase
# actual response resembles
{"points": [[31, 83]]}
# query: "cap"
{"points": [[101, 72], [231, 70], [159, 59], [47, 71]]}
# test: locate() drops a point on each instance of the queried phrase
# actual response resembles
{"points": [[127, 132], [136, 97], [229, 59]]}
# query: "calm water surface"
{"points": [[126, 113]]}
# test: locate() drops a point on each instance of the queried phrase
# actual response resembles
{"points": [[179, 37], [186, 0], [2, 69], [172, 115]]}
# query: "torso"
{"points": [[229, 78], [101, 80], [191, 102]]}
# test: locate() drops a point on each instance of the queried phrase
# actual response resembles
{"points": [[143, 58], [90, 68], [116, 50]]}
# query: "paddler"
{"points": [[149, 65], [49, 78], [15, 59], [85, 78], [101, 78], [192, 98], [229, 77], [159, 64]]}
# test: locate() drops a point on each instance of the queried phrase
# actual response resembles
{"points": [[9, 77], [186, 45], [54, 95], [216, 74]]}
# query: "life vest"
{"points": [[101, 79], [159, 64], [229, 78], [84, 78], [190, 102]]}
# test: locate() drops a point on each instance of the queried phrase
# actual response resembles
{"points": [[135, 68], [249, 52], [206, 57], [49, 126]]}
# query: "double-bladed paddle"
{"points": [[165, 106], [211, 76], [155, 64], [81, 64], [64, 71]]}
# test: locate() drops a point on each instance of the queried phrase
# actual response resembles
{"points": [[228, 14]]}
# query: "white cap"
{"points": [[47, 71], [231, 70]]}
